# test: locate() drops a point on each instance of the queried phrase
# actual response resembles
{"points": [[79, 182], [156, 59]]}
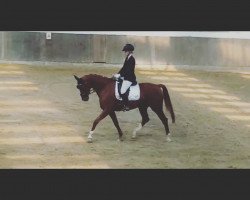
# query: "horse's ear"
{"points": [[78, 79]]}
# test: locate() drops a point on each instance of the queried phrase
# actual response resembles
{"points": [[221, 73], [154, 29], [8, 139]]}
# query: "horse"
{"points": [[151, 95]]}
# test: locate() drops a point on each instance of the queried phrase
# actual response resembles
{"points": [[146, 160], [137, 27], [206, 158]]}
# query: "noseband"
{"points": [[87, 94]]}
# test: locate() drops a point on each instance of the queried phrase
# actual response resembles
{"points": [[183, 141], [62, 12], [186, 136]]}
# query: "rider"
{"points": [[127, 73]]}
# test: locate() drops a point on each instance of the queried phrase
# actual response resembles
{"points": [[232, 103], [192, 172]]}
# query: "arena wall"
{"points": [[149, 50]]}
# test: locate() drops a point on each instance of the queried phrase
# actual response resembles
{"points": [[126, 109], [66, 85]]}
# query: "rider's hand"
{"points": [[116, 76]]}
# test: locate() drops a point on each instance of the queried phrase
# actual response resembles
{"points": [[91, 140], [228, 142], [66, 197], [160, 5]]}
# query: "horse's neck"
{"points": [[99, 83]]}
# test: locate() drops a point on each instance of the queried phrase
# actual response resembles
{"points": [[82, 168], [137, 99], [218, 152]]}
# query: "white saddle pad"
{"points": [[134, 93]]}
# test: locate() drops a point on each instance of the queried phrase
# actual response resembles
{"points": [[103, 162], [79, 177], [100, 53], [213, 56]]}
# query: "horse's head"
{"points": [[84, 88]]}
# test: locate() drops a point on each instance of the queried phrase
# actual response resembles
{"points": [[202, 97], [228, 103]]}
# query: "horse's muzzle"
{"points": [[85, 98]]}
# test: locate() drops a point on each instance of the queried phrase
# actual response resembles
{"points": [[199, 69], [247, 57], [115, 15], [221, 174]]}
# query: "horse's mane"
{"points": [[97, 76]]}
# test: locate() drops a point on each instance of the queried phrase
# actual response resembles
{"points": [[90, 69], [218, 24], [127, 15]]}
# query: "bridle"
{"points": [[91, 90]]}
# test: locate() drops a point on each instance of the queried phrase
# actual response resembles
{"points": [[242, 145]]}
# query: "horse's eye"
{"points": [[78, 86]]}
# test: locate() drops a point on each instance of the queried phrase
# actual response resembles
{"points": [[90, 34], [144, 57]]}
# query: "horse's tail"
{"points": [[168, 102]]}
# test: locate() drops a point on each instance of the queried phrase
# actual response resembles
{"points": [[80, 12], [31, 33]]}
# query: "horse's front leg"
{"points": [[97, 120], [116, 123]]}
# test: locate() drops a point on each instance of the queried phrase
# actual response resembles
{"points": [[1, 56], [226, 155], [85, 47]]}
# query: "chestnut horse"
{"points": [[151, 95]]}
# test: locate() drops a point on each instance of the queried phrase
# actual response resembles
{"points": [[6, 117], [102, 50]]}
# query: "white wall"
{"points": [[209, 34]]}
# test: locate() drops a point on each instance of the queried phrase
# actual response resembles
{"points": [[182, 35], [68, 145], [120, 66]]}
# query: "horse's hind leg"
{"points": [[145, 119], [116, 123], [164, 120], [144, 114]]}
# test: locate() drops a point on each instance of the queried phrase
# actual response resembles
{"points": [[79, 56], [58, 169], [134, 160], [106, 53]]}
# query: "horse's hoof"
{"points": [[120, 139], [89, 140], [168, 139]]}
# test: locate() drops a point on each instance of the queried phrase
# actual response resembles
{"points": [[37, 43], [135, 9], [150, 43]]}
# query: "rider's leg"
{"points": [[125, 101], [125, 85]]}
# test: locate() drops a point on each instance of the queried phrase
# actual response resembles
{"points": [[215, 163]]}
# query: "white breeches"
{"points": [[125, 85]]}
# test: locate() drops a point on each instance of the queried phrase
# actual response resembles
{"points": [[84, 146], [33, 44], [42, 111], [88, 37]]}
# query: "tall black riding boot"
{"points": [[125, 102]]}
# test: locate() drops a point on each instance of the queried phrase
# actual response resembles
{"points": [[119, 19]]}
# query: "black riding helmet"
{"points": [[128, 47]]}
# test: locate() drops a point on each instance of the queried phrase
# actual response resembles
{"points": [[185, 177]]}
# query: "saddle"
{"points": [[133, 92]]}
